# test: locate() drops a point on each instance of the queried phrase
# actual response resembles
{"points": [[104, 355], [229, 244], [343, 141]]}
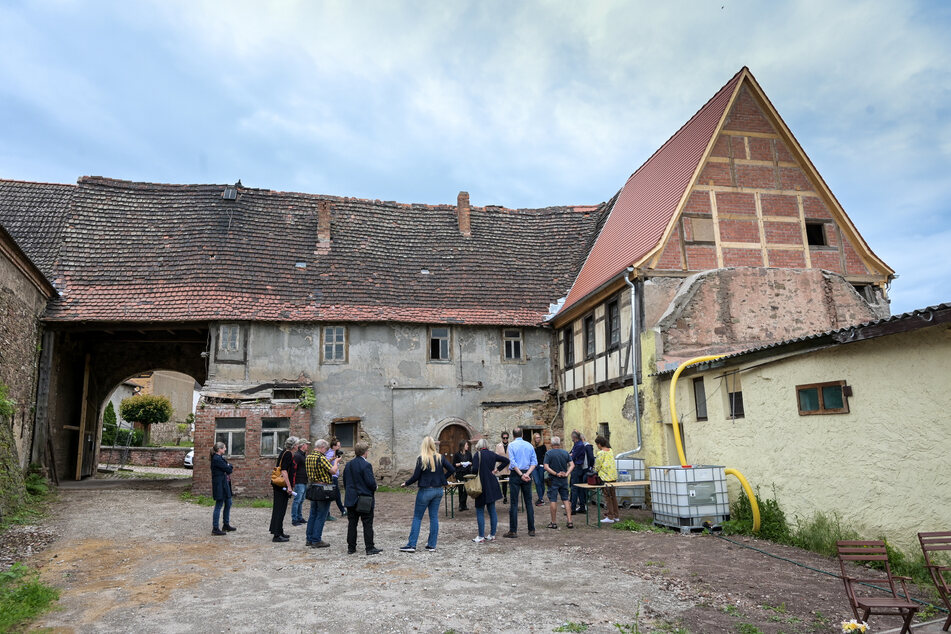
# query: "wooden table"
{"points": [[599, 487]]}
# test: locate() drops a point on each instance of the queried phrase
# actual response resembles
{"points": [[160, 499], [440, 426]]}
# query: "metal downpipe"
{"points": [[635, 366]]}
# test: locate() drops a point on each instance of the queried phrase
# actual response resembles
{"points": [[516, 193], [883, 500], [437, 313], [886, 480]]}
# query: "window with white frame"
{"points": [[439, 343], [231, 431], [335, 344], [274, 431], [229, 337], [512, 344]]}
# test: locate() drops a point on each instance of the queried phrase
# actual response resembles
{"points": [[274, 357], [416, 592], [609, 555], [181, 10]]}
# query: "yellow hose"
{"points": [[680, 447]]}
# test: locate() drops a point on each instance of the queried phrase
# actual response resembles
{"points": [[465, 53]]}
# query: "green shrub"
{"points": [[820, 533], [773, 523]]}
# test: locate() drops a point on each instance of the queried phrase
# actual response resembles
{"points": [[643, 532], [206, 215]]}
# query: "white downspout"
{"points": [[635, 367]]}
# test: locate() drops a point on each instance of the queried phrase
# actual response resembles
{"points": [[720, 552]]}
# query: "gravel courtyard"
{"points": [[140, 559]]}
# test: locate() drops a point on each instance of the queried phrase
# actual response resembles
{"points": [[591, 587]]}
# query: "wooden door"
{"points": [[449, 440]]}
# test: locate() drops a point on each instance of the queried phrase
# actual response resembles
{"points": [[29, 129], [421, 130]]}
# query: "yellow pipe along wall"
{"points": [[679, 441]]}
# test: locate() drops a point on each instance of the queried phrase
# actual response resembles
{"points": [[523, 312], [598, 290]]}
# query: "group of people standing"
{"points": [[514, 467]]}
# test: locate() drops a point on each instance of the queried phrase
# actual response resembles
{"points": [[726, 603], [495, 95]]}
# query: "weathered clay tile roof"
{"points": [[649, 199], [154, 252], [35, 215]]}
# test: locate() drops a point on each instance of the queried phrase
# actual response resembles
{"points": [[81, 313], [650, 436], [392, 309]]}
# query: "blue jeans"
{"points": [[579, 497], [493, 519], [316, 520], [518, 486], [218, 504], [427, 498], [298, 503], [538, 475]]}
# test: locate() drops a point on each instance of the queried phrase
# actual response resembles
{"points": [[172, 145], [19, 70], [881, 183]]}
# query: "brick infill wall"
{"points": [[145, 456], [250, 477]]}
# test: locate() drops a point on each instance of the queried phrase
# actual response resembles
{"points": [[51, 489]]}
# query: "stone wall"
{"points": [[144, 456]]}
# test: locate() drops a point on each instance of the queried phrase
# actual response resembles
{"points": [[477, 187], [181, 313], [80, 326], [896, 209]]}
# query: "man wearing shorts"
{"points": [[559, 466]]}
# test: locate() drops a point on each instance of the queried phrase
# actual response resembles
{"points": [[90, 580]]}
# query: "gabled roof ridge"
{"points": [[696, 114], [26, 182]]}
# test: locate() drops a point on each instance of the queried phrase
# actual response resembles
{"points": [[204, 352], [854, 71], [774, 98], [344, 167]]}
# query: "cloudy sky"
{"points": [[522, 104]]}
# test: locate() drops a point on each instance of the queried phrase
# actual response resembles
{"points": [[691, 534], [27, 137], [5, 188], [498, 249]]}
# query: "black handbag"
{"points": [[319, 492], [364, 504]]}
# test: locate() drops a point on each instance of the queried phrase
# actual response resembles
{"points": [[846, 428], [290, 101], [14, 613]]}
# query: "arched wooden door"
{"points": [[449, 439]]}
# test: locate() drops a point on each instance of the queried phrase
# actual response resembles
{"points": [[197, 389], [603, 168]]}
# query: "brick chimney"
{"points": [[323, 221], [462, 213]]}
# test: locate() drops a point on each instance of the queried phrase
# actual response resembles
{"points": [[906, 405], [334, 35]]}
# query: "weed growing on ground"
{"points": [[207, 500], [731, 609], [748, 628], [668, 627], [571, 626], [35, 504], [23, 596], [636, 527]]}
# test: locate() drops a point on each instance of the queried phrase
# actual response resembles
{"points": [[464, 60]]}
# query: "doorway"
{"points": [[449, 439]]}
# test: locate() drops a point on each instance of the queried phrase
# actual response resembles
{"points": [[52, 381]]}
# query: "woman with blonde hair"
{"points": [[431, 471]]}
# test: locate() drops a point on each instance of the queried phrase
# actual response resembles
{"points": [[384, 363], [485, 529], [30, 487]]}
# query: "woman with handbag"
{"points": [[463, 463], [484, 466], [431, 471], [221, 488], [606, 469], [283, 484]]}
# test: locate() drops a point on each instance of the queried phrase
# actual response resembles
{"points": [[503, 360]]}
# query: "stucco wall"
{"points": [[389, 384], [882, 467]]}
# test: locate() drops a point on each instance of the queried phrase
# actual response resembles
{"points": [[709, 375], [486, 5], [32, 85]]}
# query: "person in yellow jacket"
{"points": [[606, 469]]}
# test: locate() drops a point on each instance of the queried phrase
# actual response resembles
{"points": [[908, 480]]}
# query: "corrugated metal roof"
{"points": [[649, 199], [841, 335]]}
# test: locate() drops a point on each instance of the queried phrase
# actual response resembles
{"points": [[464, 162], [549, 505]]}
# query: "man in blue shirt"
{"points": [[522, 463]]}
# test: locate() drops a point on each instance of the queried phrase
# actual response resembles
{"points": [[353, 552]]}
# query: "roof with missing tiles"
{"points": [[153, 252]]}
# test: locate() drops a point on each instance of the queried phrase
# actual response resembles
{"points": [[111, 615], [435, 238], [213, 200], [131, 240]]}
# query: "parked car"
{"points": [[189, 457]]}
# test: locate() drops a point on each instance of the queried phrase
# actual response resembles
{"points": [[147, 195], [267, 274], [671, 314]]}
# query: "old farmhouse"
{"points": [[454, 321]]}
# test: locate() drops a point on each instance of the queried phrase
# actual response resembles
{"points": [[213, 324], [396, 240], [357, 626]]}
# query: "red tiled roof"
{"points": [[153, 252], [649, 199]]}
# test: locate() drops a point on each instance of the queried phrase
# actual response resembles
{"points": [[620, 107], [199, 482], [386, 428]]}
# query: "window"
{"points": [[823, 398], [816, 234], [700, 398], [614, 325], [274, 431], [734, 396], [286, 394], [569, 343], [512, 344], [346, 431], [229, 338], [589, 345], [604, 429], [439, 343], [230, 431], [335, 344]]}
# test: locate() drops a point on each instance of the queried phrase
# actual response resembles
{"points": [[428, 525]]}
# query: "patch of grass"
{"points": [[731, 609], [571, 626], [389, 489], [23, 596], [124, 474], [668, 627], [36, 502], [207, 500], [748, 628], [636, 527], [820, 622]]}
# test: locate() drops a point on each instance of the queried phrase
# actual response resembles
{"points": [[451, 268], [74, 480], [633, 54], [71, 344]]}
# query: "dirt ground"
{"points": [[140, 559]]}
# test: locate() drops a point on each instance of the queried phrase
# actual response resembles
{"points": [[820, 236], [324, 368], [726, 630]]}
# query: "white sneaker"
{"points": [[607, 520], [478, 540], [490, 538]]}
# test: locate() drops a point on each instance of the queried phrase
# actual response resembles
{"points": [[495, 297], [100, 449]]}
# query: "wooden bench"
{"points": [[930, 544], [863, 552]]}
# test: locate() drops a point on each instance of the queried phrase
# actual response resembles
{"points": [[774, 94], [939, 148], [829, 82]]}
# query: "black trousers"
{"points": [[367, 519], [278, 511], [463, 496]]}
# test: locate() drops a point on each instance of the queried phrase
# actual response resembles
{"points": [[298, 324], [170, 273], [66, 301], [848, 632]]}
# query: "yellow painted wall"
{"points": [[658, 439], [883, 467], [584, 414]]}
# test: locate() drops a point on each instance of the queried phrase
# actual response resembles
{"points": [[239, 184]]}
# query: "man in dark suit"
{"points": [[358, 480]]}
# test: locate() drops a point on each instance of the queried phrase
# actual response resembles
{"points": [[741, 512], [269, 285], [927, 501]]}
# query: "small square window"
{"points": [[604, 429], [347, 432], [231, 432], [274, 431], [816, 234], [335, 344], [512, 344], [700, 398], [734, 396], [229, 338], [823, 398], [439, 349]]}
